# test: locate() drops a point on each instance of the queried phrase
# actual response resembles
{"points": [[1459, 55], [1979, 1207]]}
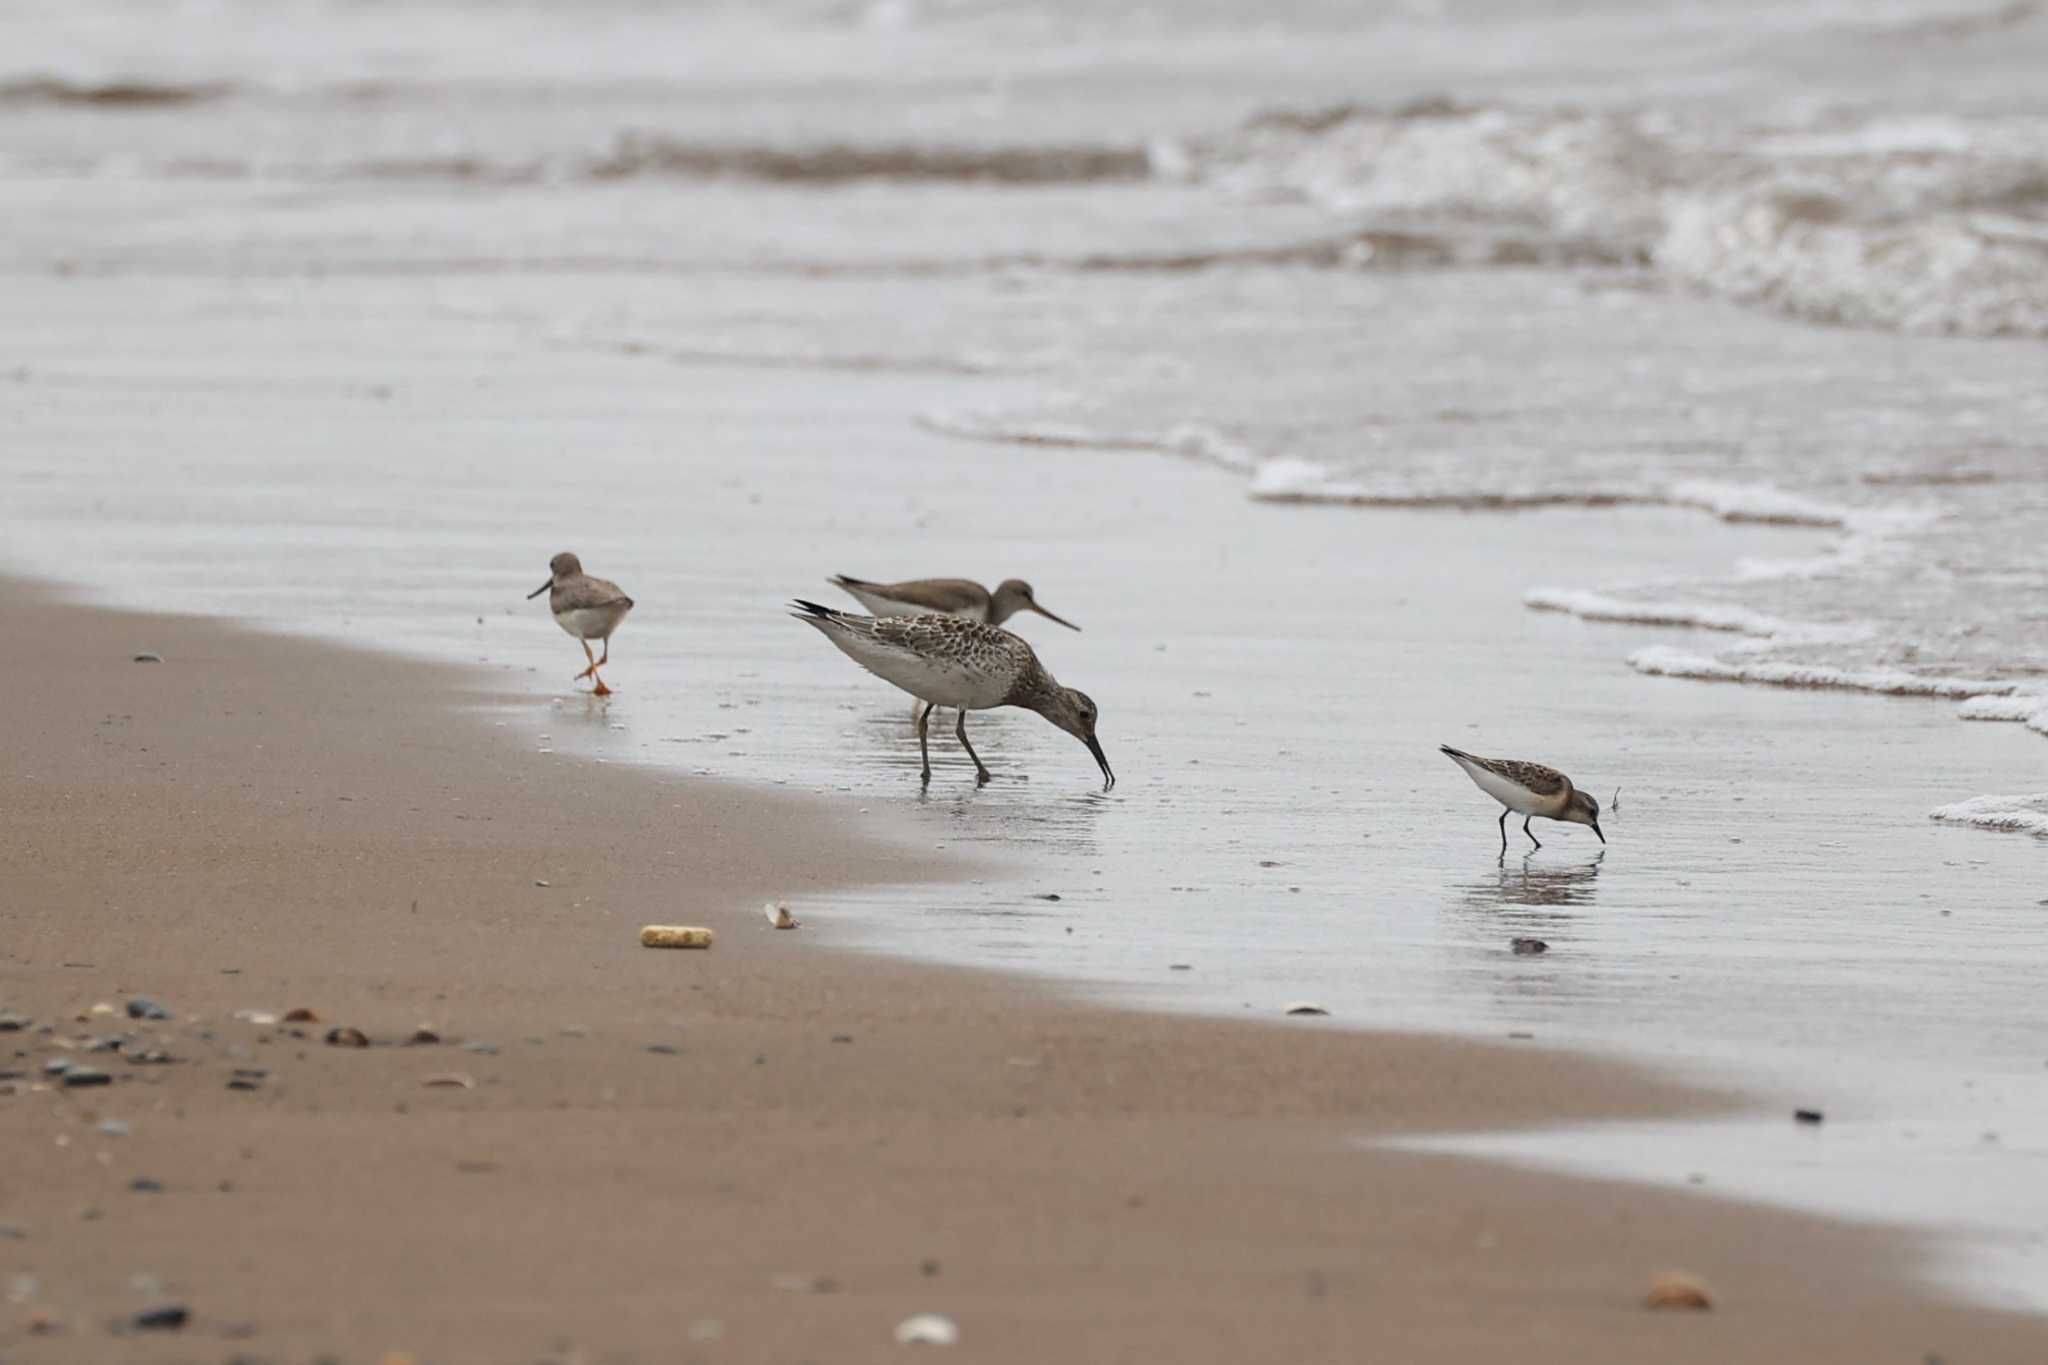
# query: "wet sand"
{"points": [[257, 823]]}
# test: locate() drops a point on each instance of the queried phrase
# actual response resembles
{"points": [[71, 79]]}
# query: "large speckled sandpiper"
{"points": [[961, 597], [1528, 790], [946, 661], [588, 608]]}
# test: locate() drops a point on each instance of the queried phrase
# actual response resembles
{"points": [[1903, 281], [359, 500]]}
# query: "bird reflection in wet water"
{"points": [[1536, 885]]}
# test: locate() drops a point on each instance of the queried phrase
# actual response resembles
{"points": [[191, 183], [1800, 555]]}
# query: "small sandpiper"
{"points": [[588, 608], [946, 661], [961, 597], [1528, 790]]}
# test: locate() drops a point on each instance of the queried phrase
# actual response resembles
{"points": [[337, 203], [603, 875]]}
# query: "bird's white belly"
{"points": [[946, 683], [589, 623], [1513, 795]]}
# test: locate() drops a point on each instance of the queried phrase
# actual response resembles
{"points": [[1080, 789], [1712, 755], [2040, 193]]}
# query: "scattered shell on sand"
{"points": [[449, 1080], [301, 1015], [1678, 1290], [779, 916], [927, 1329], [261, 1018], [1303, 1007], [674, 936], [423, 1037], [344, 1036]]}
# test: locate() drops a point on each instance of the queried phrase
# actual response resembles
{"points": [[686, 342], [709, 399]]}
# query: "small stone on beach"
{"points": [[1304, 1007], [674, 936], [1808, 1116], [167, 1317], [148, 657], [77, 1076], [1675, 1289], [343, 1036], [1528, 947], [301, 1015], [423, 1037], [142, 1007]]}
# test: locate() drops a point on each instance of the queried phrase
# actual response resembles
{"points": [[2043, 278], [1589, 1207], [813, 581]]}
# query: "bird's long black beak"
{"points": [[1596, 830], [1108, 777], [1043, 612], [541, 589]]}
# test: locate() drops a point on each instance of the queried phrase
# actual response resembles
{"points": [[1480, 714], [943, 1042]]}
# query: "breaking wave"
{"points": [[2019, 814], [1936, 224]]}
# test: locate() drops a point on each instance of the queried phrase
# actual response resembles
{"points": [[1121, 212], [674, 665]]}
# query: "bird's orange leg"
{"points": [[590, 672], [601, 690]]}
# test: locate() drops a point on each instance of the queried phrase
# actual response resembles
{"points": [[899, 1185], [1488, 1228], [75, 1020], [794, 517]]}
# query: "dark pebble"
{"points": [[1528, 947], [142, 1007], [1808, 1116], [142, 1184], [423, 1037], [347, 1037], [148, 657], [1048, 896], [13, 1023], [301, 1015], [665, 1049], [165, 1317], [85, 1075]]}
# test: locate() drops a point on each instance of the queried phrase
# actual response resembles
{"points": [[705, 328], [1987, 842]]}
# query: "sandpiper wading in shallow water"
{"points": [[588, 608], [959, 597], [945, 661], [1528, 789]]}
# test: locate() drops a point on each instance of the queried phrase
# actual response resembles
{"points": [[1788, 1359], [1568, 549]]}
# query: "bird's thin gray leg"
{"points": [[981, 773], [1530, 832], [1503, 833], [923, 744]]}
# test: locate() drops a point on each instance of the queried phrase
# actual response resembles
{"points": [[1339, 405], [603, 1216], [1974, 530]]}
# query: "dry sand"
{"points": [[835, 1142]]}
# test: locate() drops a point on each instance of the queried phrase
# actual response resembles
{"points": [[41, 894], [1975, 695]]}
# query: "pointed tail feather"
{"points": [[815, 614]]}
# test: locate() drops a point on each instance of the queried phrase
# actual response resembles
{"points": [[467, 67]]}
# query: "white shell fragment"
{"points": [[779, 916], [928, 1329], [674, 936], [1303, 1007]]}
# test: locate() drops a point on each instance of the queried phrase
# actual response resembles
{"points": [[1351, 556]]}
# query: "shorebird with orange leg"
{"points": [[1527, 790], [947, 661], [587, 608], [961, 597]]}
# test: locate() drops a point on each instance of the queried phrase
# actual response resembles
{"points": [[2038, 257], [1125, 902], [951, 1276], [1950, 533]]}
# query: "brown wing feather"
{"points": [[1541, 780], [584, 592], [935, 594]]}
